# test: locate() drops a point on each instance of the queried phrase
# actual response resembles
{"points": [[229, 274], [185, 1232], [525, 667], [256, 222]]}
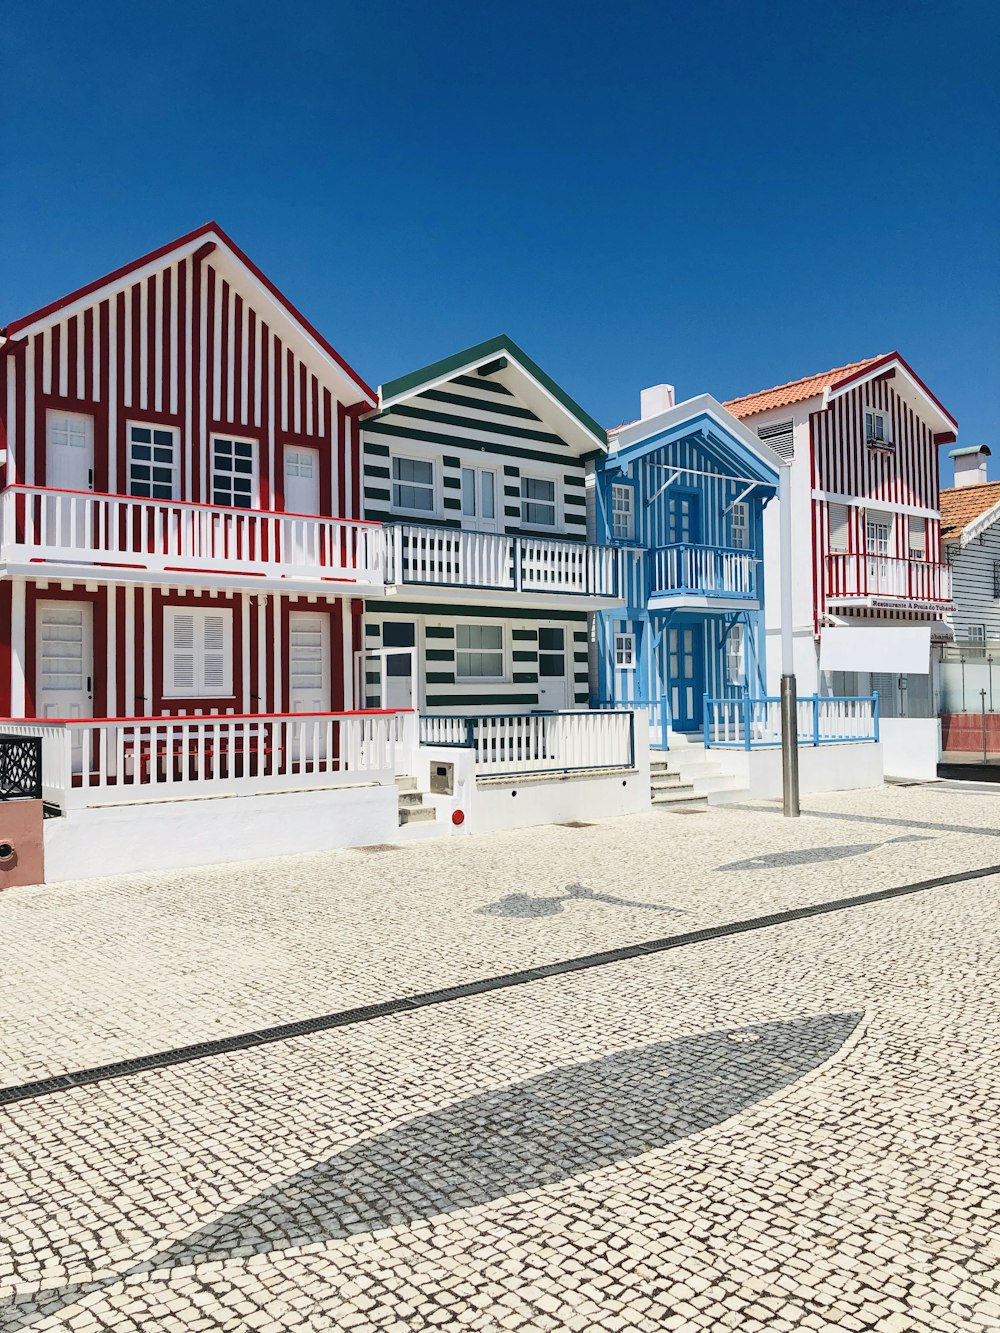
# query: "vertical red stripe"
{"points": [[337, 698], [142, 704], [168, 301], [121, 704], [238, 367], [271, 488], [73, 388], [251, 371], [30, 654], [182, 352], [151, 341], [20, 373], [270, 620], [88, 354], [222, 408], [120, 353], [343, 446], [37, 445], [6, 655], [355, 510], [197, 353], [57, 351]]}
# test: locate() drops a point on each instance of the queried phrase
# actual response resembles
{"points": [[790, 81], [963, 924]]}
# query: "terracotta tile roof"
{"points": [[784, 395], [961, 504]]}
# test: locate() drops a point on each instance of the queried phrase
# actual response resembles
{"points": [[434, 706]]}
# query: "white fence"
{"points": [[863, 575], [170, 536], [451, 557], [538, 742], [708, 569], [751, 723], [116, 760]]}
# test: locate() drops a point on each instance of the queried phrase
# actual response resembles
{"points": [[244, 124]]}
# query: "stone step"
{"points": [[675, 795], [720, 782], [658, 781], [410, 798], [406, 783], [416, 814]]}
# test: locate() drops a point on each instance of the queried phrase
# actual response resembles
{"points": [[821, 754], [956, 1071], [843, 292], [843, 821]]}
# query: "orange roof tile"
{"points": [[960, 505], [784, 395]]}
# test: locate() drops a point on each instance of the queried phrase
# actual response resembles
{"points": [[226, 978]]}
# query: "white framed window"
{"points": [[622, 512], [739, 525], [735, 659], [877, 427], [198, 652], [878, 532], [976, 633], [234, 472], [69, 430], [413, 484], [918, 539], [624, 652], [840, 526], [538, 502], [479, 652], [152, 461]]}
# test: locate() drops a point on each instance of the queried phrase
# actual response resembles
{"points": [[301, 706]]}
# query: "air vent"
{"points": [[779, 436]]}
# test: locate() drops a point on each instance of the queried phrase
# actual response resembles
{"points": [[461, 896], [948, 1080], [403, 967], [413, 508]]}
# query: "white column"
{"points": [[17, 610]]}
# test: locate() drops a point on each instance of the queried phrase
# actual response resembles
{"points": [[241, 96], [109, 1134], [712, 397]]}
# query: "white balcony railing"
{"points": [[714, 571], [537, 742], [172, 536], [862, 575], [112, 761], [451, 557]]}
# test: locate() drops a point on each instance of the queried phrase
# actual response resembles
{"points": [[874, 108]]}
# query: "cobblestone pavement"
{"points": [[794, 1128]]}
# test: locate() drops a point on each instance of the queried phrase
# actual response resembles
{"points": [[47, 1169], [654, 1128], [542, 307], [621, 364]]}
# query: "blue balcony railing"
{"points": [[751, 724], [710, 571]]}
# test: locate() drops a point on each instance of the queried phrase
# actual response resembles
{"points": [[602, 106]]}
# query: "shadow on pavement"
{"points": [[814, 855], [526, 905], [499, 1143]]}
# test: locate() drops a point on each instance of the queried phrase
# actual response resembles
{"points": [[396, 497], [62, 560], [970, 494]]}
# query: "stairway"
{"points": [[687, 772], [411, 803]]}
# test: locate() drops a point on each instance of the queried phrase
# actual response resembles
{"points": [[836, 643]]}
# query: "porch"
{"points": [[505, 744], [691, 570], [750, 724], [121, 538], [851, 577]]}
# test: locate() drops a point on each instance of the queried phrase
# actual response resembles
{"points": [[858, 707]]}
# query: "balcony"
{"points": [[874, 580], [115, 537], [443, 561], [685, 572]]}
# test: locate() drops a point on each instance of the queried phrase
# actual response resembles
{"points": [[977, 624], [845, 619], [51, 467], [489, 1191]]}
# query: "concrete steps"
{"points": [[687, 772], [410, 803]]}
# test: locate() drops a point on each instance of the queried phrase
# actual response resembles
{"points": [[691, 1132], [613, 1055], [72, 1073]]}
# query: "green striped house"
{"points": [[478, 465]]}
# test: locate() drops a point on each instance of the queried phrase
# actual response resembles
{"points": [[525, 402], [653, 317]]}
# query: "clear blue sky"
{"points": [[720, 195]]}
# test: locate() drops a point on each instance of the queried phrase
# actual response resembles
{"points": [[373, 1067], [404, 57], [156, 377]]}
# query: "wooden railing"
{"points": [[750, 724], [111, 761], [714, 571], [862, 575], [537, 742], [455, 558], [170, 536]]}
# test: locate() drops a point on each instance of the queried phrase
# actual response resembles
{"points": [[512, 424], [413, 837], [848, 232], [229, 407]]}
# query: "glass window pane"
{"points": [[551, 664], [469, 492], [489, 498], [141, 434], [398, 634], [551, 640]]}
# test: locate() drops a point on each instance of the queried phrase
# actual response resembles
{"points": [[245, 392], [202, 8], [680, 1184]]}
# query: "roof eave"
{"points": [[941, 418], [648, 433]]}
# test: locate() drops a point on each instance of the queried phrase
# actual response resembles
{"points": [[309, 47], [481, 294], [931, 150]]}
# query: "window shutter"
{"points": [[215, 656], [779, 435], [840, 519], [183, 653]]}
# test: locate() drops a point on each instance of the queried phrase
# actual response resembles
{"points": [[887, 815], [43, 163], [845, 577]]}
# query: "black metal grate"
{"points": [[20, 768]]}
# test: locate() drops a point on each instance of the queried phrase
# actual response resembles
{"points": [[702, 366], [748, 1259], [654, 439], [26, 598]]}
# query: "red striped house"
{"points": [[181, 491], [863, 444]]}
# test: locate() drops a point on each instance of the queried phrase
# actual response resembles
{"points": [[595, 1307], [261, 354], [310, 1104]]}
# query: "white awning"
{"points": [[896, 648]]}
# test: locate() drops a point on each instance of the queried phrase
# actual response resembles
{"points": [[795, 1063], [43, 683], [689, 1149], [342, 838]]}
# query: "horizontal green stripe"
{"points": [[449, 503], [373, 631], [525, 657], [581, 678], [375, 493], [474, 382], [580, 638], [509, 471], [525, 677], [525, 633], [488, 428], [453, 483], [440, 631], [571, 479], [440, 654], [576, 500], [514, 491], [377, 450], [581, 657], [372, 471], [491, 701], [510, 612], [449, 460], [460, 400], [440, 677], [511, 511]]}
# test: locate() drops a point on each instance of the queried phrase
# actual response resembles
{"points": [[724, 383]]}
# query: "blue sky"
{"points": [[723, 196]]}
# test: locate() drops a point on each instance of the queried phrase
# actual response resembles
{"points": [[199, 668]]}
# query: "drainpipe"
{"points": [[789, 719]]}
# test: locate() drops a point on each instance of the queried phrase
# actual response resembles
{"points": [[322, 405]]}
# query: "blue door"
{"points": [[684, 517], [686, 676]]}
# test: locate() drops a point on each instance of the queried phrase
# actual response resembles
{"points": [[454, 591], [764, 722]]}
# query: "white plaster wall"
{"points": [[912, 747], [122, 839], [821, 768], [553, 801]]}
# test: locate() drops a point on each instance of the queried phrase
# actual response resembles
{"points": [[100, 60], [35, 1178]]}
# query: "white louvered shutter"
{"points": [[780, 436], [198, 645], [839, 527], [182, 653], [215, 655]]}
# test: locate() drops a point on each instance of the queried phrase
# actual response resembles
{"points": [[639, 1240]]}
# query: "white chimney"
{"points": [[970, 464], [655, 400]]}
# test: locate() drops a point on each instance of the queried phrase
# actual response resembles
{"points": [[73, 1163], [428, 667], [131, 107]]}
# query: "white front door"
{"points": [[301, 480], [64, 674], [554, 685], [309, 662], [399, 651], [69, 451], [480, 504]]}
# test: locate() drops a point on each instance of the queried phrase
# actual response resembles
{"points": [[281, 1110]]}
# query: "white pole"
{"points": [[789, 720]]}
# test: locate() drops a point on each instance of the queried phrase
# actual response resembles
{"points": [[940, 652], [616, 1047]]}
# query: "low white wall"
{"points": [[513, 804], [912, 747], [121, 839], [821, 768]]}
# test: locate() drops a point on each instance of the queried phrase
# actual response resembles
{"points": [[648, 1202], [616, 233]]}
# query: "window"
{"points": [[152, 461], [622, 513], [413, 484], [479, 652], [233, 473], [479, 494], [69, 432], [624, 652], [551, 651], [300, 463], [840, 524], [918, 539], [735, 669], [876, 427], [878, 530], [975, 636], [198, 652], [739, 525], [538, 502]]}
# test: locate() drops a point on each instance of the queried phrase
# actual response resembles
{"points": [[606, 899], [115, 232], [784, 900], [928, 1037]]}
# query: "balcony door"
{"points": [[683, 517], [480, 511], [309, 662], [69, 451], [555, 689], [65, 665], [686, 676], [301, 480], [878, 532]]}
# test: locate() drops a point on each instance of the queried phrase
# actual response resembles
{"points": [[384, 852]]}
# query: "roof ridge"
{"points": [[804, 379]]}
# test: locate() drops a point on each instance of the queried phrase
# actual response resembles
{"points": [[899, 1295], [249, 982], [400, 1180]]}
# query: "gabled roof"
{"points": [[206, 239], [967, 510], [718, 430], [502, 360], [832, 384], [796, 391]]}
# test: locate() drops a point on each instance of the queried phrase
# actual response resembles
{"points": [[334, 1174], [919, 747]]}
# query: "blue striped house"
{"points": [[687, 483]]}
